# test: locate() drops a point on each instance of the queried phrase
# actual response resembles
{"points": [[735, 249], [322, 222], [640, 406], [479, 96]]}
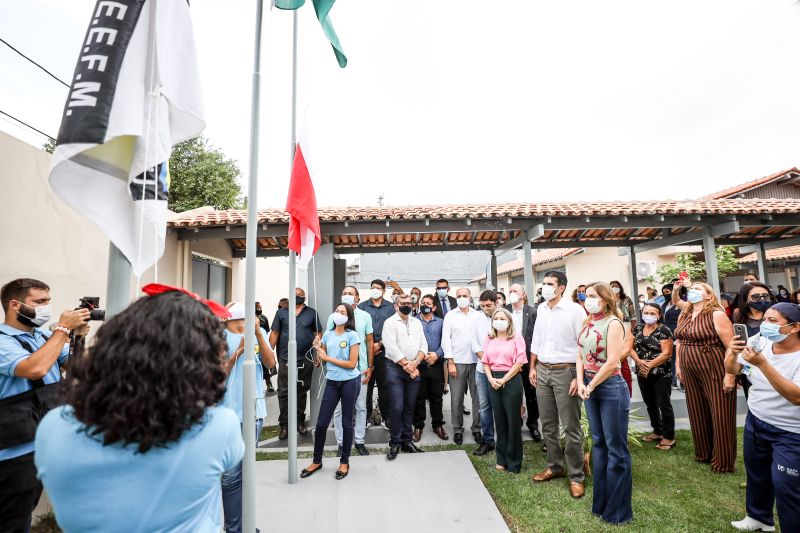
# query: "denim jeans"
{"points": [[487, 418], [232, 492], [772, 461], [360, 429], [607, 409], [345, 392], [402, 400]]}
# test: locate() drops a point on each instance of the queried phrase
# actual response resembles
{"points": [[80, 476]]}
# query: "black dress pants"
{"points": [[656, 392], [531, 405], [431, 388], [19, 493], [305, 369], [378, 379]]}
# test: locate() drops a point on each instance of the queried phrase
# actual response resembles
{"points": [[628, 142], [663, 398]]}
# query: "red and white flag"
{"points": [[301, 204]]}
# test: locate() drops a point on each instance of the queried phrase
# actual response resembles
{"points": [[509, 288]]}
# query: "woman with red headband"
{"points": [[142, 442]]}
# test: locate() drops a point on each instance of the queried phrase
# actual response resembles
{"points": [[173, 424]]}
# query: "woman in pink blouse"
{"points": [[503, 357]]}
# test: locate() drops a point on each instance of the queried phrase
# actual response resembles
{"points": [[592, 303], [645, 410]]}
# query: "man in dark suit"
{"points": [[444, 302], [524, 317]]}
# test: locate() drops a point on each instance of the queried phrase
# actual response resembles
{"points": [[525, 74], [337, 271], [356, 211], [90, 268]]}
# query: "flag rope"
{"points": [[148, 123]]}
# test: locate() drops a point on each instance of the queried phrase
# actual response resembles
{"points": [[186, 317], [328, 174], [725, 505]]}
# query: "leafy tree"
{"points": [[686, 262], [202, 175], [49, 146]]}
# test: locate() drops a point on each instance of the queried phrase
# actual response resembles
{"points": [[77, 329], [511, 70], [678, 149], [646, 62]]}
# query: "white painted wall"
{"points": [[43, 238]]}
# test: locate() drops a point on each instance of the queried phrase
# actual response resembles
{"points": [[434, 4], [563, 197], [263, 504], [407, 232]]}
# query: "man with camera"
{"points": [[31, 359]]}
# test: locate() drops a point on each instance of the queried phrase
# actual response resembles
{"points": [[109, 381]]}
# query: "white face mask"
{"points": [[375, 293], [441, 293], [650, 319], [513, 298], [615, 289], [339, 319], [43, 314], [592, 304], [348, 299], [548, 292], [413, 298], [462, 302], [500, 325]]}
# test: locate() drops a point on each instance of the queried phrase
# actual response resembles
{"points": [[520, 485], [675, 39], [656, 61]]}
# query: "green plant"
{"points": [[686, 262]]}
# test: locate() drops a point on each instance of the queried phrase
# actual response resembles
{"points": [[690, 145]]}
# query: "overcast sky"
{"points": [[457, 101]]}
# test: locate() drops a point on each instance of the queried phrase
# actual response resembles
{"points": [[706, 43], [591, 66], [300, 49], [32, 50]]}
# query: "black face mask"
{"points": [[258, 312], [760, 306], [405, 309], [299, 300], [426, 309]]}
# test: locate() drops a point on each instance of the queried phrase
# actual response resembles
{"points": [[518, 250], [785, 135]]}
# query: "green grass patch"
{"points": [[671, 492]]}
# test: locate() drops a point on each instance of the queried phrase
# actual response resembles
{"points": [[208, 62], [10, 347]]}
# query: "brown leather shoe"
{"points": [[576, 490], [417, 434], [441, 433], [547, 475]]}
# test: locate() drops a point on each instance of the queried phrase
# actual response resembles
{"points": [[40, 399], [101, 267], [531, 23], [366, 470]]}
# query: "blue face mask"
{"points": [[772, 332], [694, 296], [581, 296]]}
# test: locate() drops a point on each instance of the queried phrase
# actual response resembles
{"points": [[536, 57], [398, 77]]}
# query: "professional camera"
{"points": [[92, 303]]}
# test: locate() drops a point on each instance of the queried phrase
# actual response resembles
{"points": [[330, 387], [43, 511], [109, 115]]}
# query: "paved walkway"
{"points": [[377, 437], [416, 492]]}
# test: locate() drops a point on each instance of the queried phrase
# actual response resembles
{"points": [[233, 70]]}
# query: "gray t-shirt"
{"points": [[764, 401]]}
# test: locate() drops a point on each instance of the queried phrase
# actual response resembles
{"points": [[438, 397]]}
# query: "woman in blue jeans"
{"points": [[338, 350], [608, 403]]}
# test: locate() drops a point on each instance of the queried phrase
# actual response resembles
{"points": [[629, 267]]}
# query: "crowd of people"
{"points": [[150, 415]]}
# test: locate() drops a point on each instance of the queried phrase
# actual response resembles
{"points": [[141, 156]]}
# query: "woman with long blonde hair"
{"points": [[608, 403], [703, 334], [503, 356]]}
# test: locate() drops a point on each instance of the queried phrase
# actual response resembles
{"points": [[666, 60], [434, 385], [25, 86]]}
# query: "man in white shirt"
{"points": [[554, 350], [405, 345], [460, 349]]}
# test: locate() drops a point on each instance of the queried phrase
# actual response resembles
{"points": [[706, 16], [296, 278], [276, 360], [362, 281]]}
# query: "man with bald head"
{"points": [[524, 317], [460, 348]]}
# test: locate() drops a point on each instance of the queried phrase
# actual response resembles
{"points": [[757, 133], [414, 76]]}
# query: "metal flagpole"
{"points": [[292, 374], [118, 286], [249, 366]]}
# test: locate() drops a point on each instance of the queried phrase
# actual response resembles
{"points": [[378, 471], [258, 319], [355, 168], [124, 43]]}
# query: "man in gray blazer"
{"points": [[524, 317]]}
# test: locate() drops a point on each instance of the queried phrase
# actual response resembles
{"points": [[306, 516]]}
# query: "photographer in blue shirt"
{"points": [[30, 358]]}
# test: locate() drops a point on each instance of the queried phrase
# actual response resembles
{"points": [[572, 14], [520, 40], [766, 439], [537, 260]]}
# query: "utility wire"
{"points": [[59, 80], [27, 125]]}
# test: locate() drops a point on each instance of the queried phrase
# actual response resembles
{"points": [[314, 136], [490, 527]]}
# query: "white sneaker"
{"points": [[751, 524]]}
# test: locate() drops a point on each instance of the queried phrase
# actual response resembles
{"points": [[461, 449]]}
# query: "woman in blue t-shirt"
{"points": [[142, 441], [339, 351]]}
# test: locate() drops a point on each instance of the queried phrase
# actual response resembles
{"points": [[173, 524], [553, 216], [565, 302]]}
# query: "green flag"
{"points": [[322, 8]]}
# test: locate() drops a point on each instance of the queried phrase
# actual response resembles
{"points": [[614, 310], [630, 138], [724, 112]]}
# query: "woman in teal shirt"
{"points": [[142, 441], [338, 350]]}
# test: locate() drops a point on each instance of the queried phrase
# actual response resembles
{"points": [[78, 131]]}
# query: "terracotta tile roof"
{"points": [[537, 258], [776, 254], [743, 187], [486, 211]]}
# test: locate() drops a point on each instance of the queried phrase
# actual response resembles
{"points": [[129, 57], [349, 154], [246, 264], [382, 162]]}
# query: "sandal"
{"points": [[341, 474], [500, 468], [666, 446], [306, 472], [652, 437]]}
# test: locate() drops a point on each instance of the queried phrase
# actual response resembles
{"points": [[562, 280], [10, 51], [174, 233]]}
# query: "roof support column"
{"points": [[528, 262], [634, 283], [709, 249], [493, 271], [761, 259]]}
